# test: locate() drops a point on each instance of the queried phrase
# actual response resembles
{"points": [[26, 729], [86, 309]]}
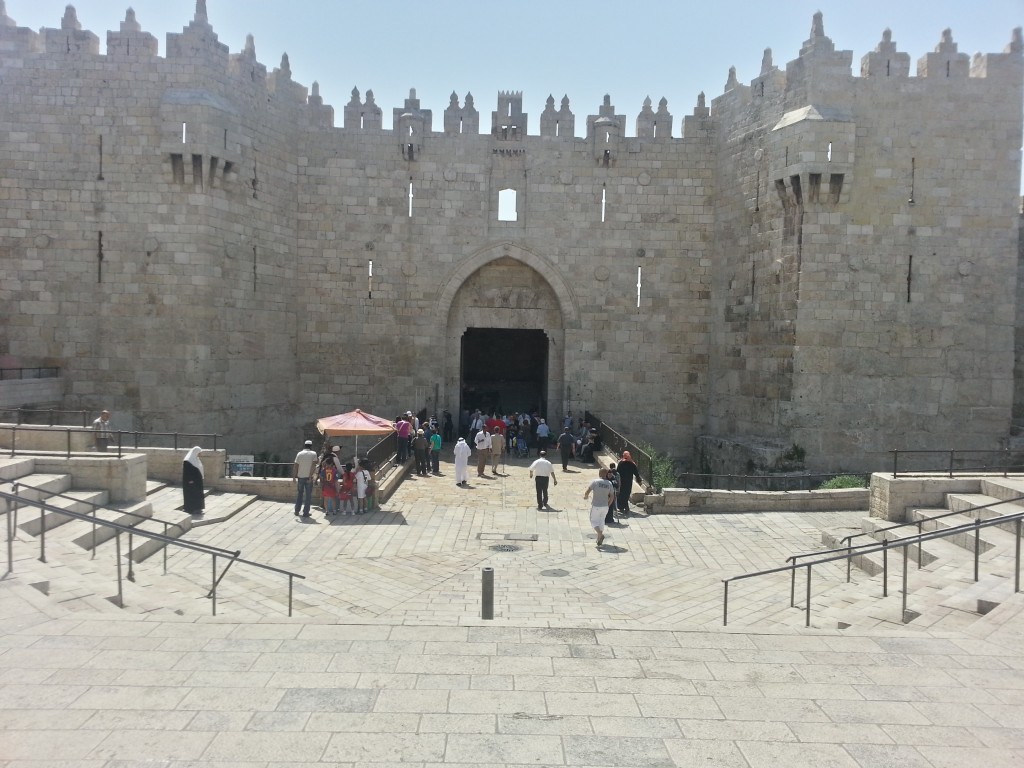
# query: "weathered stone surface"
{"points": [[827, 260]]}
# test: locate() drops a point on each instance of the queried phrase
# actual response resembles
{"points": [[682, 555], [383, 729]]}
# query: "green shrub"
{"points": [[663, 469], [843, 481]]}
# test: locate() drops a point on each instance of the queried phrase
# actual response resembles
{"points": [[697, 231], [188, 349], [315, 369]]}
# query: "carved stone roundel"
{"points": [[602, 274], [643, 179]]}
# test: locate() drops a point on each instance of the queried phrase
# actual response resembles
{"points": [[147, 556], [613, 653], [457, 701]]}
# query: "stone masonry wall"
{"points": [[190, 237]]}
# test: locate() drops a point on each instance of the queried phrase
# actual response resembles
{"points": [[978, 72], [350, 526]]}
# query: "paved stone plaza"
{"points": [[594, 658]]}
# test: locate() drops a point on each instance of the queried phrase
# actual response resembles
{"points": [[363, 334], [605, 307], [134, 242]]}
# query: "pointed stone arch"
{"points": [[501, 288], [543, 266]]}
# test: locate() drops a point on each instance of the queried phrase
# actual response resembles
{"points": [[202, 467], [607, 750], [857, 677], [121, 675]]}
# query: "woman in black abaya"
{"points": [[192, 482]]}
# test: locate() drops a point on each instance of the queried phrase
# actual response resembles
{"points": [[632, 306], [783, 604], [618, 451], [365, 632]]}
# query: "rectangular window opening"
{"points": [[211, 179], [814, 186], [604, 204], [507, 208], [197, 173], [835, 187], [828, 152], [184, 133], [178, 169], [639, 284], [798, 194], [410, 197]]}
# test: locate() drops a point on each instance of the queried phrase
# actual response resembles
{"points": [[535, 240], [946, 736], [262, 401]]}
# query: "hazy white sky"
{"points": [[581, 48]]}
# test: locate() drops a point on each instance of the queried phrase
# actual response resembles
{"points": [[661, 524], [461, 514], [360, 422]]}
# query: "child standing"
{"points": [[329, 485], [345, 495]]}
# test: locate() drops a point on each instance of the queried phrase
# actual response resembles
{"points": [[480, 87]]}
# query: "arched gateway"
{"points": [[507, 311]]}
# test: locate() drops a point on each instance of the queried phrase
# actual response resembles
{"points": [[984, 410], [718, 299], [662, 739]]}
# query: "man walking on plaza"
{"points": [[541, 471], [482, 443], [302, 474], [566, 442], [603, 495]]}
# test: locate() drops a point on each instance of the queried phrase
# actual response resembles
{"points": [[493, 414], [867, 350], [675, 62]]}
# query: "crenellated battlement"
{"points": [[818, 66]]}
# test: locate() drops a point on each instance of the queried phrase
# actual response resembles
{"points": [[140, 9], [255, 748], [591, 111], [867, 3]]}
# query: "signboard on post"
{"points": [[241, 465]]}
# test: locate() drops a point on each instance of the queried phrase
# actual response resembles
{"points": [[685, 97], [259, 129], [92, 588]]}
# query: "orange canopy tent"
{"points": [[354, 423]]}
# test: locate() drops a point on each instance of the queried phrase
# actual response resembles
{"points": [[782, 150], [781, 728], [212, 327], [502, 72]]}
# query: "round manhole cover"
{"points": [[554, 572], [505, 548]]}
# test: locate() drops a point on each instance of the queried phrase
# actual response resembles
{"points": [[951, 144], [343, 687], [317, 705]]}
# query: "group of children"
{"points": [[346, 488]]}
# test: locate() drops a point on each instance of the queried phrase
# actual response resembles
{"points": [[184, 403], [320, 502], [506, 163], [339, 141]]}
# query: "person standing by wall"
{"points": [[363, 481], [102, 434], [192, 482], [302, 475], [435, 453], [566, 442], [541, 471], [420, 446], [602, 491]]}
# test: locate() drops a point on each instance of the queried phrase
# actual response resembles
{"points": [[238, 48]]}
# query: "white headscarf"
{"points": [[192, 457]]}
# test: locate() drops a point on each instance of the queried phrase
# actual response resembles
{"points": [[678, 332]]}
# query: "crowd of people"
{"points": [[346, 488]]}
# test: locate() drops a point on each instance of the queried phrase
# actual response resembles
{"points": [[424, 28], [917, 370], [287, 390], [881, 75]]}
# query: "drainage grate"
{"points": [[505, 548], [554, 572]]}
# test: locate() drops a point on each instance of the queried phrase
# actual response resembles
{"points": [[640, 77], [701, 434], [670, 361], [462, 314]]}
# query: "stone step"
{"points": [[1003, 488], [962, 502], [83, 502], [36, 487], [15, 467]]}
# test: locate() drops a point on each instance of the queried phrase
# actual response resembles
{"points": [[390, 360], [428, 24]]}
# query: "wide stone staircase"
{"points": [[74, 564], [941, 591]]}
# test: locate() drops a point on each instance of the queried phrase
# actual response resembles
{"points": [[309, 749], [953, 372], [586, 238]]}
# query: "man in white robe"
{"points": [[462, 451]]}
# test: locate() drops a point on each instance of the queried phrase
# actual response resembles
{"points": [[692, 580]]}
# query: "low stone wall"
{"points": [[283, 489], [697, 501], [890, 496], [40, 438], [15, 393], [123, 478], [165, 464]]}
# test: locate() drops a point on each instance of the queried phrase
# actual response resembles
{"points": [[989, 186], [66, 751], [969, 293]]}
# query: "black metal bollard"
{"points": [[487, 596]]}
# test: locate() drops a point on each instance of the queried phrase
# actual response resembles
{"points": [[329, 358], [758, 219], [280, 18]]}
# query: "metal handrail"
{"points": [[215, 552], [905, 543], [121, 440], [94, 508], [618, 443], [919, 524], [951, 469]]}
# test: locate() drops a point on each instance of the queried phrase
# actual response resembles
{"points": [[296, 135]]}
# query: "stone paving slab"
{"points": [[614, 658]]}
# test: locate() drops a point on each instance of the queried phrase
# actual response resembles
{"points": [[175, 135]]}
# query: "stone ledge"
{"points": [[690, 501]]}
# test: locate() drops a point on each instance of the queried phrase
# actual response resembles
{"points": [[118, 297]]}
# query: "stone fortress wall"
{"points": [[827, 260]]}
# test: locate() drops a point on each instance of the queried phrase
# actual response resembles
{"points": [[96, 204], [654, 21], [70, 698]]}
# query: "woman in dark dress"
{"points": [[192, 482], [627, 471]]}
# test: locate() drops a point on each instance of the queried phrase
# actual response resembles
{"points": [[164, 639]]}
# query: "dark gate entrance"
{"points": [[504, 370]]}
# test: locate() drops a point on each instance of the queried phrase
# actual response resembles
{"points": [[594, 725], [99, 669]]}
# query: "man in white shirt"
{"points": [[482, 442], [302, 474], [541, 471]]}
